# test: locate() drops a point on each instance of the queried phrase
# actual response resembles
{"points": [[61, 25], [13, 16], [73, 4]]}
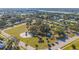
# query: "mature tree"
{"points": [[12, 21], [39, 28], [33, 29], [2, 23], [44, 28]]}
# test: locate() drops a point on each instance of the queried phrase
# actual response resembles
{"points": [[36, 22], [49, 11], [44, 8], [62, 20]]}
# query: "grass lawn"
{"points": [[69, 46], [16, 31], [1, 36]]}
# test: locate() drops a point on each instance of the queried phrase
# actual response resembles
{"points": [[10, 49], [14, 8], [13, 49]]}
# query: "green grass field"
{"points": [[1, 36], [69, 46], [16, 31]]}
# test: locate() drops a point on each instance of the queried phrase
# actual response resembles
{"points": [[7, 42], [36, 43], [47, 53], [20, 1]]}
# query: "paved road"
{"points": [[62, 44], [56, 47]]}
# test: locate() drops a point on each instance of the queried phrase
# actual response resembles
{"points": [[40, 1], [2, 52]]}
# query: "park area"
{"points": [[21, 33], [18, 29]]}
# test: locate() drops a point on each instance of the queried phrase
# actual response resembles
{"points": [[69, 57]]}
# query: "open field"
{"points": [[69, 46], [18, 29]]}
